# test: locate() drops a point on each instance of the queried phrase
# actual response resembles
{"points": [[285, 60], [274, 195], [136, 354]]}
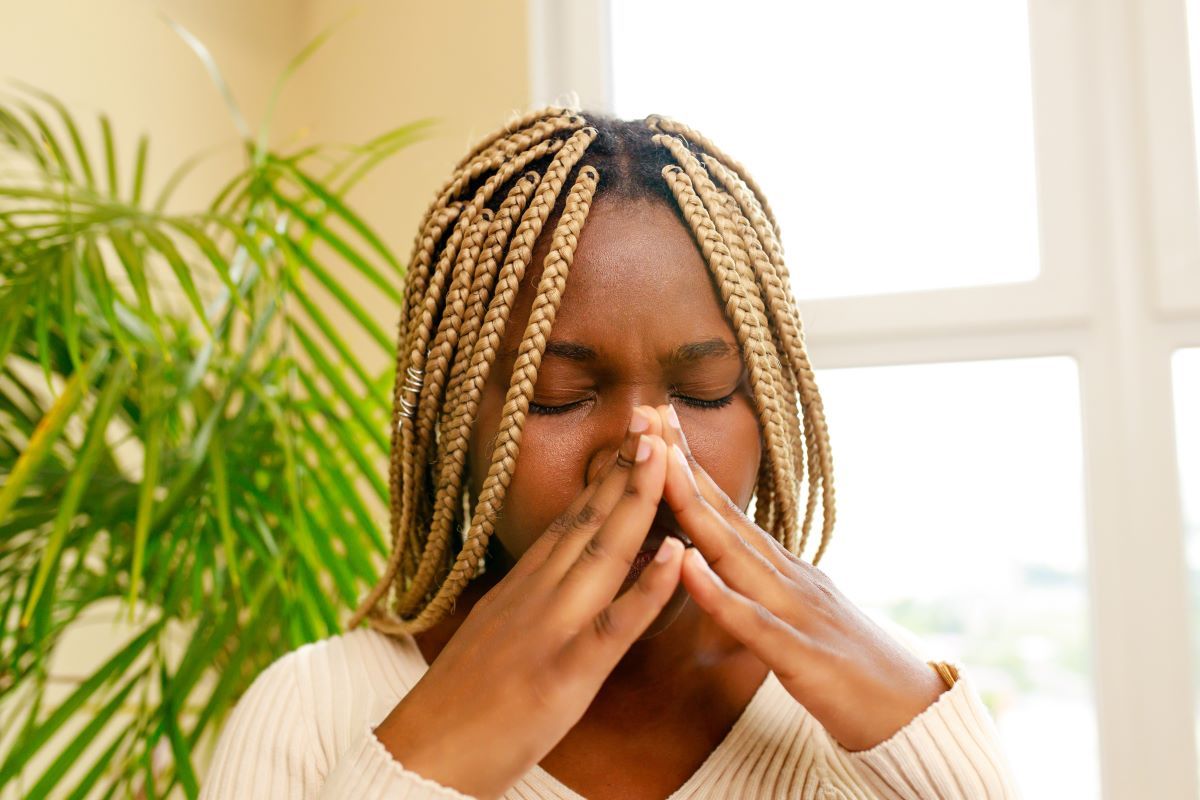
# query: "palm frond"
{"points": [[183, 437]]}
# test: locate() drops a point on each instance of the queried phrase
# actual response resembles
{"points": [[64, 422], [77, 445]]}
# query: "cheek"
{"points": [[728, 444], [551, 464], [548, 476]]}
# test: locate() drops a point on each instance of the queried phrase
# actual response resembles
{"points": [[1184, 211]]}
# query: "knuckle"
{"points": [[574, 533], [732, 512], [761, 618], [503, 614], [604, 625], [793, 559], [646, 586], [561, 524], [594, 550], [828, 592], [588, 516], [819, 580]]}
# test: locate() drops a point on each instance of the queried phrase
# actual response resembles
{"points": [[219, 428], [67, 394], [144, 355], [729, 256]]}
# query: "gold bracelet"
{"points": [[948, 672]]}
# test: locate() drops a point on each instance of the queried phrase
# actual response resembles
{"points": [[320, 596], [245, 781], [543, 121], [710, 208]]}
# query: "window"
{"points": [[1186, 375], [956, 530], [899, 158], [1020, 298]]}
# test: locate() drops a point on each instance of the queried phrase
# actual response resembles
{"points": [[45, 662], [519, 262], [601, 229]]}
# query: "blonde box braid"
{"points": [[786, 320], [519, 256], [758, 214], [778, 406], [516, 404], [749, 324], [414, 438], [474, 247], [703, 143], [409, 498]]}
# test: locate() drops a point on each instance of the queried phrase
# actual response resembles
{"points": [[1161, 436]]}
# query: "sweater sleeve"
{"points": [[368, 771], [268, 750], [950, 751]]}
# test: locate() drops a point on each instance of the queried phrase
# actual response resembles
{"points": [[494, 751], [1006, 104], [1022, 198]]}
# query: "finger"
{"points": [[737, 561], [596, 649], [574, 530], [603, 564], [537, 553], [768, 546], [779, 645]]}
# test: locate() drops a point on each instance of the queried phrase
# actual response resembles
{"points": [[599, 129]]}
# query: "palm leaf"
{"points": [[240, 517], [218, 79], [264, 134], [48, 431]]}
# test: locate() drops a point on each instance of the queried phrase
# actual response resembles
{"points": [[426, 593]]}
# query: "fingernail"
{"points": [[666, 550], [705, 568], [673, 418], [643, 451], [638, 423]]}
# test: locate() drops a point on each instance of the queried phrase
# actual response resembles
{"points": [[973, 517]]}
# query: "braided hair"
{"points": [[476, 242]]}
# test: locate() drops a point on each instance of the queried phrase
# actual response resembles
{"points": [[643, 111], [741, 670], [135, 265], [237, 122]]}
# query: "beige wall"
{"points": [[120, 57], [391, 63], [463, 63]]}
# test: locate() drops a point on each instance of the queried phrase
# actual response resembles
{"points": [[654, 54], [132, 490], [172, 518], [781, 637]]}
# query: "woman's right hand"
{"points": [[530, 657]]}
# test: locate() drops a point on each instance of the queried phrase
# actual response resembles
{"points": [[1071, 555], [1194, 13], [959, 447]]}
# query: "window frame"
{"points": [[1119, 291]]}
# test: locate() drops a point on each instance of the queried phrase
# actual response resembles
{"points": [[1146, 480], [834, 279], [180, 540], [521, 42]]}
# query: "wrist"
{"points": [[947, 671], [420, 748], [879, 702]]}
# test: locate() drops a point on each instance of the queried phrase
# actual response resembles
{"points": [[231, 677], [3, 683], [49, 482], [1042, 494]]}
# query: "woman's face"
{"points": [[640, 324]]}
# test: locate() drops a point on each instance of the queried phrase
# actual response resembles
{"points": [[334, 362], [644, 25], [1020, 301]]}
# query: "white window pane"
{"points": [[1186, 374], [1186, 367], [894, 140], [1193, 26], [961, 516]]}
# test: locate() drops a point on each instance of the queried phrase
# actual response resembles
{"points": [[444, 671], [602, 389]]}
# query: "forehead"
{"points": [[637, 282]]}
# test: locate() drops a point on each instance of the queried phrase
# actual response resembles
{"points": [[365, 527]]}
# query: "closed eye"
{"points": [[697, 402], [694, 402], [534, 408]]}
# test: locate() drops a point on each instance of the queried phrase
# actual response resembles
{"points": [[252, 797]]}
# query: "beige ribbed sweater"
{"points": [[304, 730]]}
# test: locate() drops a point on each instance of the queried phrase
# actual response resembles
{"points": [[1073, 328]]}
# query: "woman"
{"points": [[601, 366]]}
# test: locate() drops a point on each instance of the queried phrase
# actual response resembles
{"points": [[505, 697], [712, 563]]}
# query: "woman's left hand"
{"points": [[860, 683]]}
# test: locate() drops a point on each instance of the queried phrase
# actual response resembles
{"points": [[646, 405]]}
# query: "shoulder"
{"points": [[306, 709], [334, 686], [366, 658], [356, 671]]}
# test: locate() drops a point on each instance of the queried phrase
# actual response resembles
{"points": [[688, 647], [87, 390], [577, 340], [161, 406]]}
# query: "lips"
{"points": [[663, 525]]}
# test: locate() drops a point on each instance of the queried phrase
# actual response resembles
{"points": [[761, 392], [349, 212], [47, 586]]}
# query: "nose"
{"points": [[613, 431]]}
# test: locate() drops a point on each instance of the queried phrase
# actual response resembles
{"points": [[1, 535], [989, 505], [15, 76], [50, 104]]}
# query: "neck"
{"points": [[691, 651]]}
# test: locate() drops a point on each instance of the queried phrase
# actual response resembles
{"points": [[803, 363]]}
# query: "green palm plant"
{"points": [[184, 429]]}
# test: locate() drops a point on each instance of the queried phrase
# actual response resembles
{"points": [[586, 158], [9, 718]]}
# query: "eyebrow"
{"points": [[682, 355], [698, 351]]}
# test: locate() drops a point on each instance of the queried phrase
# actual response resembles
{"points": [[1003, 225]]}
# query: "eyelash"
{"points": [[695, 402]]}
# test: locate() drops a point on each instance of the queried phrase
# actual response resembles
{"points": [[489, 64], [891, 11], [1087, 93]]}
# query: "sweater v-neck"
{"points": [[542, 781]]}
